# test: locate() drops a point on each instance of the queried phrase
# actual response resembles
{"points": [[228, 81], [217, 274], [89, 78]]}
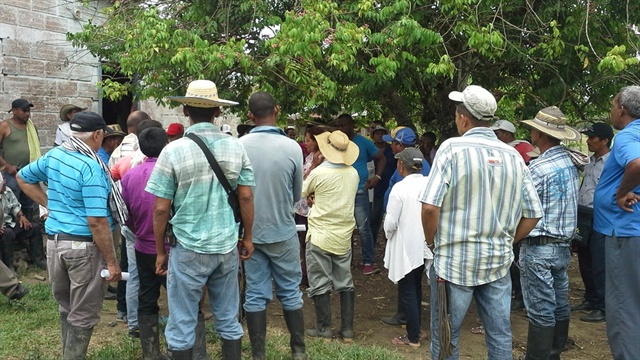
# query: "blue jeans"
{"points": [[280, 261], [545, 283], [410, 296], [622, 294], [494, 306], [363, 217], [188, 272], [133, 284]]}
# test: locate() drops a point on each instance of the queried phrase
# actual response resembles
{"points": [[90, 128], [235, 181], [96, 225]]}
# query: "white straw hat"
{"points": [[337, 148], [202, 94]]}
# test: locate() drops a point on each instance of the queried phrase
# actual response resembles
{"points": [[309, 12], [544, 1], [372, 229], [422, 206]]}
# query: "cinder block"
{"points": [[56, 24], [15, 86], [16, 48], [43, 87], [9, 65], [31, 67], [67, 88]]}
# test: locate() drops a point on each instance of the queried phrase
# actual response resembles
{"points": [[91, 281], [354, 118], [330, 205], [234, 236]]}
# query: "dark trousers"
{"points": [[121, 294], [150, 283], [16, 234], [377, 213], [591, 260], [514, 271], [410, 291], [302, 237]]}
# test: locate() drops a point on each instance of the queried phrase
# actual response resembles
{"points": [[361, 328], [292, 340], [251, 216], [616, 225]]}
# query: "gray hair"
{"points": [[84, 136], [629, 98]]}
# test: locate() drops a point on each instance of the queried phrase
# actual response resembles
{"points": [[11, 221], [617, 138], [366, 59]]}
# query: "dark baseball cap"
{"points": [[20, 104], [601, 130], [411, 157], [87, 121]]}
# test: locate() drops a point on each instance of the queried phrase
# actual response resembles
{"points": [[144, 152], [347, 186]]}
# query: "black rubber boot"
{"points": [[295, 324], [257, 328], [539, 342], [200, 346], [77, 343], [150, 337], [399, 318], [36, 251], [347, 304], [322, 304], [560, 336], [64, 328], [231, 349], [180, 354]]}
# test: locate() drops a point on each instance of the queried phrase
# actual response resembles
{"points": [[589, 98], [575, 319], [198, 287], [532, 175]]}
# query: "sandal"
{"points": [[478, 330], [404, 340]]}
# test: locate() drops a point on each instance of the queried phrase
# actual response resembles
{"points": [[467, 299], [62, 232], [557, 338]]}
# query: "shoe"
{"points": [[393, 321], [134, 333], [20, 292], [109, 296], [121, 317], [586, 305], [596, 315], [368, 269], [517, 304]]}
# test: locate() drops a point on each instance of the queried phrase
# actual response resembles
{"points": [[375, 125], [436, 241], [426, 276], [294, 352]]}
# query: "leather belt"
{"points": [[542, 240], [69, 237]]}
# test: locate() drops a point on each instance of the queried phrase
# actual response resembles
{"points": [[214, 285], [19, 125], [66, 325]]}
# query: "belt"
{"points": [[542, 240], [69, 237]]}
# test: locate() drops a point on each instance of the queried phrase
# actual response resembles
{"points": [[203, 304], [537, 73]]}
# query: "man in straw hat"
{"points": [[207, 248], [277, 163], [330, 190], [63, 132], [546, 251], [617, 215], [480, 198]]}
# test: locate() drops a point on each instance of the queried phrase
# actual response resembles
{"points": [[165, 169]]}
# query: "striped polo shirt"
{"points": [[77, 188], [483, 188]]}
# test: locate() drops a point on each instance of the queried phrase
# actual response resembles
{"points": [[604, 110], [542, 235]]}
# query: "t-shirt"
{"points": [[367, 151]]}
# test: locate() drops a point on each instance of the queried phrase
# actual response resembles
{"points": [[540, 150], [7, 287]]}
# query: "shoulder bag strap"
{"points": [[212, 162]]}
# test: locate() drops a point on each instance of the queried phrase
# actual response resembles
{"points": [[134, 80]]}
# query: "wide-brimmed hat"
{"points": [[552, 122], [337, 148], [65, 110], [202, 94], [111, 132]]}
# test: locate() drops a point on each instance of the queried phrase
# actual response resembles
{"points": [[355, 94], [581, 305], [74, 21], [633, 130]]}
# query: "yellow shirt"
{"points": [[331, 220]]}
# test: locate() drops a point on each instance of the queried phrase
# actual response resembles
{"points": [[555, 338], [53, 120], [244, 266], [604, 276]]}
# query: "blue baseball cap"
{"points": [[401, 134]]}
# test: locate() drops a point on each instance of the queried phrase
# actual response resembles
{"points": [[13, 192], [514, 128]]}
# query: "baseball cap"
{"points": [[378, 128], [87, 121], [401, 134], [503, 125], [20, 104], [601, 130], [411, 157], [175, 129], [480, 102]]}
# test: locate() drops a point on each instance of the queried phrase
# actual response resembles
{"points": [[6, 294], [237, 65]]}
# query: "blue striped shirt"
{"points": [[556, 180], [483, 188], [77, 188], [203, 221]]}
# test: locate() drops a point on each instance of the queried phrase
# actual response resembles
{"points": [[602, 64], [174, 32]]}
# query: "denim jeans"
{"points": [[410, 295], [363, 217], [377, 213], [622, 294], [545, 283], [188, 272], [280, 261], [150, 283], [494, 307], [133, 284]]}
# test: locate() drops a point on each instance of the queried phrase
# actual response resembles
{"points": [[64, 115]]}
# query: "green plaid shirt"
{"points": [[203, 220]]}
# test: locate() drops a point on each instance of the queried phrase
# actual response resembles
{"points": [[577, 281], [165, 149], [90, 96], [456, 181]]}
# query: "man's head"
{"points": [[549, 128], [263, 109], [201, 102], [201, 115], [504, 130], [175, 131], [67, 111], [134, 119], [400, 139], [145, 124], [345, 123], [291, 132], [599, 137], [111, 139], [475, 107], [152, 140], [89, 127], [21, 109], [427, 141], [377, 133], [625, 107], [409, 161]]}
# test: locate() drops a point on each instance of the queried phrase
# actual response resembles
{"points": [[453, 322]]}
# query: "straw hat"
{"points": [[202, 94], [337, 148], [68, 108], [552, 122]]}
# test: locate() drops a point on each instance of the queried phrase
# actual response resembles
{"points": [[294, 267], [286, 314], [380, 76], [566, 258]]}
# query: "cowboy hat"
{"points": [[202, 94], [337, 148], [68, 108], [552, 122]]}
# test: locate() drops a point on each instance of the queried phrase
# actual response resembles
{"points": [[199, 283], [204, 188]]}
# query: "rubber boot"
{"points": [[77, 343], [149, 337], [295, 324], [232, 349], [347, 304], [399, 318], [539, 342], [36, 251], [322, 304], [257, 328], [64, 328], [6, 248], [200, 346], [180, 354], [560, 336]]}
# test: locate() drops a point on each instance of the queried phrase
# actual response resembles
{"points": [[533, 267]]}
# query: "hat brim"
{"points": [[332, 155], [387, 138], [568, 133], [456, 96], [201, 102], [589, 133], [115, 133], [63, 114]]}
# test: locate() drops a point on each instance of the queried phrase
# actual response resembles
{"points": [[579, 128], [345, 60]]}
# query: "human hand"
{"points": [[627, 200], [24, 223], [1, 229], [11, 170], [245, 248], [311, 199], [115, 274], [162, 262], [371, 183]]}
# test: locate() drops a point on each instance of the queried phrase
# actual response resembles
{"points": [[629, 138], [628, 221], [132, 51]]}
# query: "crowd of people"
{"points": [[484, 216]]}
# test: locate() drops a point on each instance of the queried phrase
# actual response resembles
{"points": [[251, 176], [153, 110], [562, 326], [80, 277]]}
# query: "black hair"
{"points": [[262, 104], [152, 140], [145, 124], [200, 115]]}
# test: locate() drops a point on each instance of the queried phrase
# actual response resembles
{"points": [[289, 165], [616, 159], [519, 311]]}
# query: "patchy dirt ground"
{"points": [[376, 296]]}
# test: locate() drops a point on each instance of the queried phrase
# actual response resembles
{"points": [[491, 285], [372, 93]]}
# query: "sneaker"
{"points": [[135, 333], [20, 292], [121, 317], [368, 269]]}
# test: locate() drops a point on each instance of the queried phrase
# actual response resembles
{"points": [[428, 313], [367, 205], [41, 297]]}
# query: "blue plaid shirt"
{"points": [[202, 221], [556, 180]]}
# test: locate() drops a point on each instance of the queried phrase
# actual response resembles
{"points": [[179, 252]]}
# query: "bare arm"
{"points": [[161, 213], [430, 217], [245, 196], [524, 228], [625, 198], [101, 232], [34, 191]]}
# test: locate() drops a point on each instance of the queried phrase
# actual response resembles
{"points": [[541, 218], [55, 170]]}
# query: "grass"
{"points": [[30, 330]]}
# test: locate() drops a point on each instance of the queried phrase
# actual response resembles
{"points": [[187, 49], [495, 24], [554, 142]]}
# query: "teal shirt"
{"points": [[202, 219]]}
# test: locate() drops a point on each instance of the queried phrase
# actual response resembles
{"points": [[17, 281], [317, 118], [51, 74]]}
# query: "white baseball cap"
{"points": [[478, 100], [503, 125]]}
